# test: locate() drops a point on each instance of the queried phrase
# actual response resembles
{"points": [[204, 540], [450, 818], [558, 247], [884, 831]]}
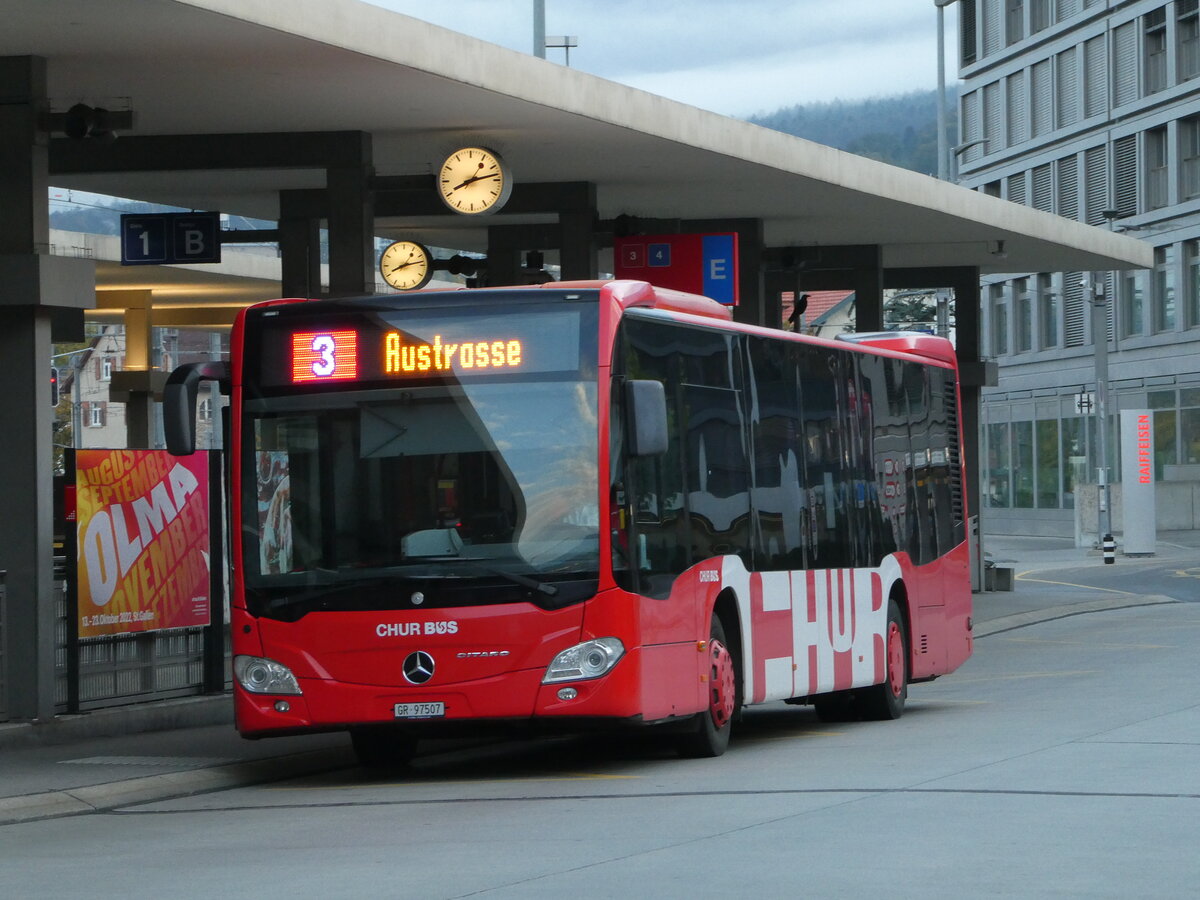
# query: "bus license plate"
{"points": [[430, 710]]}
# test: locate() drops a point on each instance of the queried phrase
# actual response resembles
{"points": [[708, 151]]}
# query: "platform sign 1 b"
{"points": [[170, 238], [697, 263]]}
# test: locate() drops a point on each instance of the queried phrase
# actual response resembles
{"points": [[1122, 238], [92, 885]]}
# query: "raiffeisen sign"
{"points": [[1137, 476]]}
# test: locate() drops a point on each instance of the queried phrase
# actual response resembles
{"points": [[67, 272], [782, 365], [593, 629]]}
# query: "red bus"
{"points": [[576, 505]]}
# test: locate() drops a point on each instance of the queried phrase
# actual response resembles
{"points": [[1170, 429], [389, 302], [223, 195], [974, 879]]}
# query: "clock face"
{"points": [[473, 181], [406, 265]]}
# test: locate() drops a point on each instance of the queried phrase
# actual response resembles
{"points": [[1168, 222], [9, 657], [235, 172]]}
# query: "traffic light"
{"points": [[53, 386]]}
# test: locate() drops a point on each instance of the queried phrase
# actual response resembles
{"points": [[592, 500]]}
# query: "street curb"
{"points": [[104, 797], [1002, 624], [161, 715]]}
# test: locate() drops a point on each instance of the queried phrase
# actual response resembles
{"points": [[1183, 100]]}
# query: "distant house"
{"points": [[99, 419], [822, 313]]}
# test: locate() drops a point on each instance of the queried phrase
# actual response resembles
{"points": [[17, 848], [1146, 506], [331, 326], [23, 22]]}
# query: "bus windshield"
{"points": [[444, 477], [433, 477]]}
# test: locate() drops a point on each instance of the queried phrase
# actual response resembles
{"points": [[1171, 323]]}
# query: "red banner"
{"points": [[143, 540]]}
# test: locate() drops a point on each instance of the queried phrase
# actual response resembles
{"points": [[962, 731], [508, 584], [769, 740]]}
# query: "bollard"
{"points": [[1110, 549]]}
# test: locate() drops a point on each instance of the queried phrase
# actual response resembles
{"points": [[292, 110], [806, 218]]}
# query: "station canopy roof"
{"points": [[208, 67]]}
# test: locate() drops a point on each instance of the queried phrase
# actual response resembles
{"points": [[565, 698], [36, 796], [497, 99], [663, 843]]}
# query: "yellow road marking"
{"points": [[582, 776], [1013, 640], [1023, 576], [939, 701], [791, 737], [993, 678]]}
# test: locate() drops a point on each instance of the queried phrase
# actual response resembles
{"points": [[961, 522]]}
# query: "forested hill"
{"points": [[901, 130]]}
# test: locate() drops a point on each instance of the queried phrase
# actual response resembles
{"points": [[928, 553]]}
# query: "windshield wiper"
{"points": [[541, 587]]}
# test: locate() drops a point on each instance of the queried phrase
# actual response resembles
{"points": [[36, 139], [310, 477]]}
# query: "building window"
{"points": [[95, 415], [1074, 459], [1187, 36], [967, 39], [1014, 24], [204, 410], [1022, 464], [1192, 292], [1095, 77], [999, 321], [1067, 77], [1189, 152], [998, 494], [1047, 301], [1018, 120], [1154, 37], [1041, 98], [1124, 63], [1164, 288], [1156, 168], [1039, 15], [1125, 180], [1016, 188], [1024, 305], [1189, 425], [106, 369], [993, 118], [1047, 463], [1133, 290]]}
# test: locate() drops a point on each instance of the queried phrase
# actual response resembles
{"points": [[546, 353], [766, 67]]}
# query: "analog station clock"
{"points": [[406, 265], [474, 181]]}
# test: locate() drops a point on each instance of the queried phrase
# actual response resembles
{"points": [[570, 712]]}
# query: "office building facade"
{"points": [[1089, 109]]}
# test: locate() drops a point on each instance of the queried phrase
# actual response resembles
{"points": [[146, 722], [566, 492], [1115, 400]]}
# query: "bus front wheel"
{"points": [[886, 701], [710, 735]]}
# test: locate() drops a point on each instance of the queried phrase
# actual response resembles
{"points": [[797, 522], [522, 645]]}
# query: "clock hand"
{"points": [[473, 179]]}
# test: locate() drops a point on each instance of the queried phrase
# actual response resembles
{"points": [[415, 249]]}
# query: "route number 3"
{"points": [[324, 346]]}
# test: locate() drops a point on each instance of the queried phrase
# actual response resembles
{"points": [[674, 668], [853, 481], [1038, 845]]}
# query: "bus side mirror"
{"points": [[646, 417], [179, 403]]}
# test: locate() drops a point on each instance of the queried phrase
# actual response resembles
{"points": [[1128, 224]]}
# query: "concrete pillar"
{"points": [[137, 384], [352, 226], [299, 245], [578, 254], [26, 529], [974, 375], [867, 283], [28, 280]]}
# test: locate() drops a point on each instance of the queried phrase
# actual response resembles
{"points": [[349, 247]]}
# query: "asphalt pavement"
{"points": [[113, 758]]}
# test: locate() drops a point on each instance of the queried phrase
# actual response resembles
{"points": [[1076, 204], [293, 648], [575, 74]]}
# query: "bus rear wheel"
{"points": [[710, 735], [886, 701], [382, 746]]}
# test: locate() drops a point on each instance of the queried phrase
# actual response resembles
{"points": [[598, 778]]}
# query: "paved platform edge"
{"points": [[1001, 624], [150, 788], [160, 715]]}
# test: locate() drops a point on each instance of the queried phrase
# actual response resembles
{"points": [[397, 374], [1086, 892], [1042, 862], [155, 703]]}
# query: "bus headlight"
{"points": [[264, 676], [591, 659]]}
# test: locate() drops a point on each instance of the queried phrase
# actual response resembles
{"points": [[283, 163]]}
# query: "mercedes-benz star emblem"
{"points": [[418, 667]]}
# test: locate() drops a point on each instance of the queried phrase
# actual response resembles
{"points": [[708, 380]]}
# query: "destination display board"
{"points": [[377, 348]]}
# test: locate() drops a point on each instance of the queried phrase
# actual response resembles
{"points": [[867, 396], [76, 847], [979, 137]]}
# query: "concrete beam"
{"points": [[35, 279], [187, 152]]}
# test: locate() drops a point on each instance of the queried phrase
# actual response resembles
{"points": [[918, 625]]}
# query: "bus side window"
{"points": [[778, 494], [655, 487]]}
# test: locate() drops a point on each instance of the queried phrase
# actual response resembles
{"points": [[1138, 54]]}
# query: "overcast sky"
{"points": [[736, 57]]}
